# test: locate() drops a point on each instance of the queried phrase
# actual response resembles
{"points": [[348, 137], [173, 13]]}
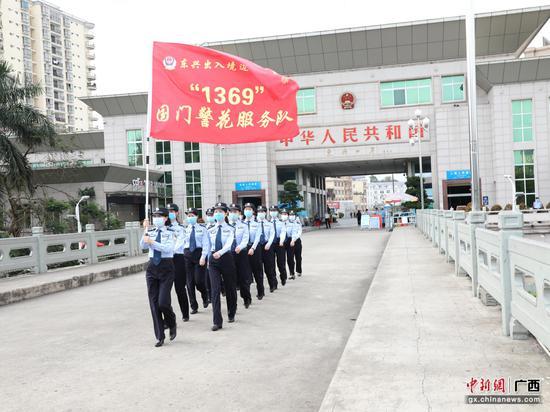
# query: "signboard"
{"points": [[204, 95], [485, 200], [459, 174], [365, 221], [375, 222], [333, 205], [353, 135], [247, 186]]}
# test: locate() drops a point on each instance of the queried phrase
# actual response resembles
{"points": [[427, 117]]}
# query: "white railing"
{"points": [[489, 247], [40, 252]]}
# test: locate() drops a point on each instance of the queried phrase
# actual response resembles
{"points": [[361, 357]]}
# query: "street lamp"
{"points": [[417, 125], [77, 212]]}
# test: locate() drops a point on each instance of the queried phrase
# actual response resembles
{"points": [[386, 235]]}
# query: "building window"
{"points": [[305, 101], [193, 189], [164, 156], [192, 152], [165, 190], [524, 173], [522, 120], [135, 147], [452, 88], [407, 92]]}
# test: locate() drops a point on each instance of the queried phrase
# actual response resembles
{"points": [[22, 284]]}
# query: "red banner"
{"points": [[203, 95]]}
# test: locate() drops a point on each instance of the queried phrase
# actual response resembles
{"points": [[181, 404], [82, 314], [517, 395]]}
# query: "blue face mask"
{"points": [[191, 220], [210, 219], [248, 213], [172, 215], [261, 215], [273, 214], [233, 217], [158, 221], [219, 217]]}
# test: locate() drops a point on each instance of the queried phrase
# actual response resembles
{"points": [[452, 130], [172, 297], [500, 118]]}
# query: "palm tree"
{"points": [[22, 127]]}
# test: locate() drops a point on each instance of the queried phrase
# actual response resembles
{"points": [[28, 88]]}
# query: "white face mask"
{"points": [[284, 218], [292, 218], [158, 221], [261, 215]]}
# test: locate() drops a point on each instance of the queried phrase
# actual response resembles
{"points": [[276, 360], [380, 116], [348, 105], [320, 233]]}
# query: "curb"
{"points": [[18, 295]]}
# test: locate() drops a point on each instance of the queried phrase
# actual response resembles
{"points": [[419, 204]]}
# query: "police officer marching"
{"points": [[254, 252], [240, 253], [209, 222], [267, 235], [293, 243], [179, 261], [196, 248], [221, 265], [160, 273], [279, 242]]}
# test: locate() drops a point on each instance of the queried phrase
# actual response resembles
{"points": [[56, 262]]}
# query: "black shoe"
{"points": [[205, 304], [166, 325], [292, 277], [159, 343], [173, 332], [216, 327], [273, 289], [223, 294], [194, 311], [299, 274], [186, 319], [260, 297], [231, 319], [283, 281], [247, 304]]}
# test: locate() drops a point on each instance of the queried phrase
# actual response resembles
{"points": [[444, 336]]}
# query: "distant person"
{"points": [[327, 220], [537, 204], [358, 218]]}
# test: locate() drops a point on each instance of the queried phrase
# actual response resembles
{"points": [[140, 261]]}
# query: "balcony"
{"points": [[90, 66], [91, 76], [90, 45], [89, 35], [90, 55], [92, 86]]}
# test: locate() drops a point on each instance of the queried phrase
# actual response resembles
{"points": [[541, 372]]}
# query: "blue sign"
{"points": [[459, 174], [485, 200], [246, 186]]}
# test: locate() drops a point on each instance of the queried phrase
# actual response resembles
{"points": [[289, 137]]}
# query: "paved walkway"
{"points": [[92, 348], [421, 336]]}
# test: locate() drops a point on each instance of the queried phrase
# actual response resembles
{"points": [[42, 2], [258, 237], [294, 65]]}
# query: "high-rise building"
{"points": [[45, 45], [340, 188]]}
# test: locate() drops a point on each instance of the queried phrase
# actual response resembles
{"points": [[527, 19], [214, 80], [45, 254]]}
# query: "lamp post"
{"points": [[77, 213], [417, 125]]}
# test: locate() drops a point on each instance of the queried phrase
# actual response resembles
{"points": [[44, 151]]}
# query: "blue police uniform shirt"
{"points": [[201, 238], [241, 234], [254, 232], [280, 229], [227, 237], [268, 231], [294, 230], [166, 244], [179, 233]]}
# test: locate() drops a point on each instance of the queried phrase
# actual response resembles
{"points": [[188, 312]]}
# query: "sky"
{"points": [[125, 29]]}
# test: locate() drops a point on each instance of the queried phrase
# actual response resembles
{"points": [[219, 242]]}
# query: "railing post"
{"points": [[458, 217], [37, 233], [91, 239], [475, 219], [448, 215], [510, 223]]}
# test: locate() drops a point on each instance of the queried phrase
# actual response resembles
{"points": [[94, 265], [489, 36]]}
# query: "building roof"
{"points": [[117, 104], [94, 173], [512, 71], [89, 140], [498, 33]]}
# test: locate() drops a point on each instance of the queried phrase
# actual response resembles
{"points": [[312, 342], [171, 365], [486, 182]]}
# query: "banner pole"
{"points": [[148, 134]]}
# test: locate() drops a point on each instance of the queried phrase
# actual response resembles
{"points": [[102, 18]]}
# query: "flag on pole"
{"points": [[204, 95]]}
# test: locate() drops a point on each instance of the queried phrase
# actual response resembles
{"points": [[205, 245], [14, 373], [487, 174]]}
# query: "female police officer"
{"points": [[254, 252], [293, 243], [267, 235], [221, 265], [160, 273], [179, 261], [240, 250]]}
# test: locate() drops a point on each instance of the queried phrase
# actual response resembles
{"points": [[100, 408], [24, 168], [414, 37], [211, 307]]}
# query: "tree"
{"points": [[291, 195], [413, 189], [22, 129]]}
